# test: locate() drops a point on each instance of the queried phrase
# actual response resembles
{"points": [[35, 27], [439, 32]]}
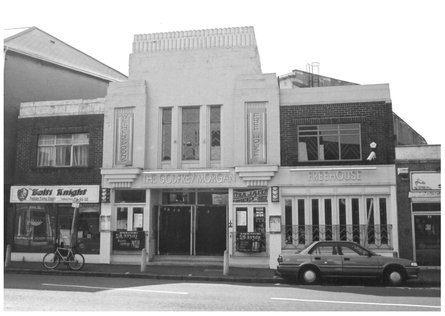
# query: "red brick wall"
{"points": [[375, 119], [29, 129]]}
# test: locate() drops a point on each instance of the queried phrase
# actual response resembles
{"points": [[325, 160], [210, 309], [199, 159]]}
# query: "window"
{"points": [[166, 134], [329, 142], [215, 133], [324, 249], [190, 133], [63, 150]]}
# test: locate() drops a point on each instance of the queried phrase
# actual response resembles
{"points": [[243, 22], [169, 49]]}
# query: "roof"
{"points": [[33, 42]]}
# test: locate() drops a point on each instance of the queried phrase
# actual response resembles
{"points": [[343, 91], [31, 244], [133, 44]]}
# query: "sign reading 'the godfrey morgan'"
{"points": [[55, 194]]}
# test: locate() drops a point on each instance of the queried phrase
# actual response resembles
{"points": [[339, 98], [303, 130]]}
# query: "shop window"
{"points": [[190, 133], [288, 222], [301, 222], [315, 220], [332, 142], [384, 227], [355, 220], [178, 197], [328, 219], [122, 218], [213, 198], [166, 134], [342, 218], [34, 228], [63, 150], [39, 227], [215, 133]]}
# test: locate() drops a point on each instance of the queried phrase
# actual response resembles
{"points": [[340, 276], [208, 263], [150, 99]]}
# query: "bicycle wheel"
{"points": [[76, 262], [51, 260]]}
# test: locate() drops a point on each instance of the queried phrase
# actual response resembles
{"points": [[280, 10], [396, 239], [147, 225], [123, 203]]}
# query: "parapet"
{"points": [[195, 39]]}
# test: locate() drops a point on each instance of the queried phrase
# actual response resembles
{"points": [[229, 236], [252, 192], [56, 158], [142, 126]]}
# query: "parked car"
{"points": [[343, 259]]}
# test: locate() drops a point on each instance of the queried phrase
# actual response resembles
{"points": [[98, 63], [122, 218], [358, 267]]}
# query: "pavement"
{"points": [[428, 276]]}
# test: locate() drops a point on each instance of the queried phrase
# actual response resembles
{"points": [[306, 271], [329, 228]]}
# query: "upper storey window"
{"points": [[331, 142], [166, 134], [215, 133], [190, 133], [63, 150]]}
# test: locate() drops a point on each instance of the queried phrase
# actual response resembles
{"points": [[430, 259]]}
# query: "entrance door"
{"points": [[210, 230], [192, 230], [174, 230], [427, 237]]}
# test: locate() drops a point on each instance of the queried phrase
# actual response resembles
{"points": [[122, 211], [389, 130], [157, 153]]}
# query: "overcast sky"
{"points": [[366, 42]]}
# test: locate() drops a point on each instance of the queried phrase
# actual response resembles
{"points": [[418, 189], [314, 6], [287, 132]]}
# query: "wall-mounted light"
{"points": [[372, 155], [230, 224]]}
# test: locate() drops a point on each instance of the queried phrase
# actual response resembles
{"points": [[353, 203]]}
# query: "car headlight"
{"points": [[414, 264]]}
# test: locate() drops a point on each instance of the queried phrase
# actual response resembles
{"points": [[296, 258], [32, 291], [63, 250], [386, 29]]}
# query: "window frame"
{"points": [[71, 144], [197, 124], [334, 130]]}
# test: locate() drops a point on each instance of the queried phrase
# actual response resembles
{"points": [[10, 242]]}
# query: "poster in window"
{"points": [[241, 218]]}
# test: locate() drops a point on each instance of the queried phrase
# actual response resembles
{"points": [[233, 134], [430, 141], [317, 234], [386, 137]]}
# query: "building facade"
{"points": [[418, 201], [203, 154], [41, 67], [337, 167], [59, 156]]}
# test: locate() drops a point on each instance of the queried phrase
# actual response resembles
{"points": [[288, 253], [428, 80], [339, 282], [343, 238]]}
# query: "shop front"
{"points": [[354, 203], [425, 206], [43, 216], [188, 215]]}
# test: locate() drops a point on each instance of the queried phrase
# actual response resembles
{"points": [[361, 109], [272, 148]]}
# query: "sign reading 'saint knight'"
{"points": [[55, 194]]}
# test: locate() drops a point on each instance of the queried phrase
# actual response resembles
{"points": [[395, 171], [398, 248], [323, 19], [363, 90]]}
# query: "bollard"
{"points": [[143, 260], [8, 256], [226, 263]]}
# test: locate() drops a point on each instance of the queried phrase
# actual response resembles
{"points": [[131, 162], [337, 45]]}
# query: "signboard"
{"points": [[129, 240], [55, 194], [250, 195], [189, 178], [275, 224], [256, 133], [425, 181], [250, 242]]}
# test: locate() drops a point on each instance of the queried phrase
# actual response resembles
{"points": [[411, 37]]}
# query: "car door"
{"points": [[357, 261], [327, 258]]}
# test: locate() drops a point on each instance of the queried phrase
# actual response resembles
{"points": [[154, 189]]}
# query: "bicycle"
{"points": [[69, 256]]}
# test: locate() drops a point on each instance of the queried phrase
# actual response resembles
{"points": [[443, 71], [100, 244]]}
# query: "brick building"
{"points": [[337, 166], [59, 156], [41, 67]]}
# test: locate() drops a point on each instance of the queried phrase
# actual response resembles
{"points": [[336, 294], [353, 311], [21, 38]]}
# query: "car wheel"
{"points": [[394, 277], [309, 276]]}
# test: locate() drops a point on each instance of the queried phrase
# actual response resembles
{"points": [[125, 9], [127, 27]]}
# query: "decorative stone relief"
{"points": [[124, 119]]}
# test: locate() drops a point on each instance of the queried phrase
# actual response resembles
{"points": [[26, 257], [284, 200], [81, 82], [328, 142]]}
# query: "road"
{"points": [[73, 293]]}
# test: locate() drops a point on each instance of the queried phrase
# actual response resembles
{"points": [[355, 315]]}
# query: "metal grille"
{"points": [[372, 236]]}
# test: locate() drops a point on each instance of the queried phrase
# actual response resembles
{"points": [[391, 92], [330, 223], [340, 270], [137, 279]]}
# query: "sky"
{"points": [[397, 42]]}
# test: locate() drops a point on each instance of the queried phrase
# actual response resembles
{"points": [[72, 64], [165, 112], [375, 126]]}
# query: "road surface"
{"points": [[24, 292]]}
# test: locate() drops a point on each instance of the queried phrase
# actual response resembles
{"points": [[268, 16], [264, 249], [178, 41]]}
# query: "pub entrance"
{"points": [[192, 229]]}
